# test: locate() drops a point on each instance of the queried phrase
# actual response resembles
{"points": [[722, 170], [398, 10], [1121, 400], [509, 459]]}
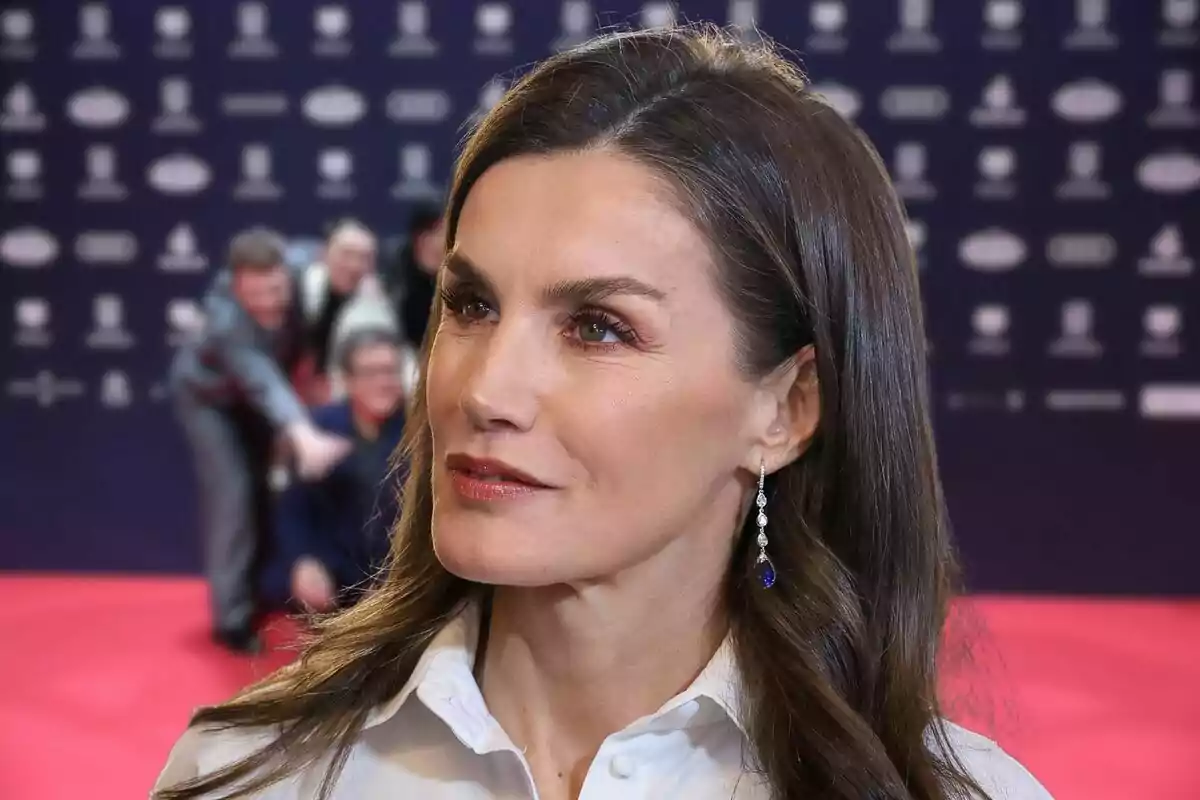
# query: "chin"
{"points": [[484, 552]]}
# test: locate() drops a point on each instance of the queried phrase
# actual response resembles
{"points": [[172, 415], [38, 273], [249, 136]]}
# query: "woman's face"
{"points": [[587, 411]]}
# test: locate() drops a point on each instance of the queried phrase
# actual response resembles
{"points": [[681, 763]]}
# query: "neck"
{"points": [[567, 666]]}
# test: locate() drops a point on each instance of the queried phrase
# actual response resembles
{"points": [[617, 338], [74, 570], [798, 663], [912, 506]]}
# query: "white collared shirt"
{"points": [[436, 740]]}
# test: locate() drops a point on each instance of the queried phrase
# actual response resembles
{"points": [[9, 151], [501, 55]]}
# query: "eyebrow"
{"points": [[581, 291]]}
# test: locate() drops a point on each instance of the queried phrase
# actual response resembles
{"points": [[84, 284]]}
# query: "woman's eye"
{"points": [[595, 331], [475, 310]]}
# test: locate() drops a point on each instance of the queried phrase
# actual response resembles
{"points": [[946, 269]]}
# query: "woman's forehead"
{"points": [[594, 210]]}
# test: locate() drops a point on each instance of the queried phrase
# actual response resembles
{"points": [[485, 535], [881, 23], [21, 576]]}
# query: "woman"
{"points": [[673, 527]]}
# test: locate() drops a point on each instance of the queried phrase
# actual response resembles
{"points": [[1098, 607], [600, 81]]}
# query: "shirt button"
{"points": [[621, 766]]}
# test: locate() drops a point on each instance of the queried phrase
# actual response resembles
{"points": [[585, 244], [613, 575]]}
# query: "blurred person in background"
{"points": [[333, 533], [413, 276], [233, 396], [339, 294]]}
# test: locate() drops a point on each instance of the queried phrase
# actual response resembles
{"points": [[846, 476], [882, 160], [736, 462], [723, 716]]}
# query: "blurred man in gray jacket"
{"points": [[234, 398]]}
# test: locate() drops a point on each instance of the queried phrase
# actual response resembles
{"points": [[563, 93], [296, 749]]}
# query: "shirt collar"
{"points": [[445, 674]]}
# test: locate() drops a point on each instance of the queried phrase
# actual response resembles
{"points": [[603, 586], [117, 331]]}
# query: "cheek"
{"points": [[441, 384], [645, 436]]}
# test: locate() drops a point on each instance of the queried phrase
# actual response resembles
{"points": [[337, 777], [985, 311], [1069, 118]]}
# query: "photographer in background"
{"points": [[232, 396], [339, 294], [333, 533]]}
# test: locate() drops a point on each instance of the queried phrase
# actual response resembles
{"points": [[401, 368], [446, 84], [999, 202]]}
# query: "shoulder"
{"points": [[334, 416], [202, 751], [998, 773]]}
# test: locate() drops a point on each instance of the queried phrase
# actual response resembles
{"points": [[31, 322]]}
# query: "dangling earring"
{"points": [[763, 566]]}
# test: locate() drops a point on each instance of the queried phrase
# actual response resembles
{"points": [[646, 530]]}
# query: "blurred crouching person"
{"points": [[333, 533]]}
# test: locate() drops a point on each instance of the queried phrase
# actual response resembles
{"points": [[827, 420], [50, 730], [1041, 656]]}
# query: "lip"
{"points": [[490, 479]]}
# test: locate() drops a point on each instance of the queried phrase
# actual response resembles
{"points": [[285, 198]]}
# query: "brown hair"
{"points": [[809, 238], [256, 250]]}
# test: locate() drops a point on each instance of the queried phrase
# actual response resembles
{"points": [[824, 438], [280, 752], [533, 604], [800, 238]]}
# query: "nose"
{"points": [[499, 392]]}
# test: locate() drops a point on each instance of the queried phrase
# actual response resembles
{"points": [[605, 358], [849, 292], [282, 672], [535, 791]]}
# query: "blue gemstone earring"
{"points": [[763, 566]]}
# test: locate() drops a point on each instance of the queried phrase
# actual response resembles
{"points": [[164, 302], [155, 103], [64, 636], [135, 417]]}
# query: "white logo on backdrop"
{"points": [[95, 34], [257, 182], [175, 116], [254, 104], [106, 248], [332, 26], [743, 19], [999, 108], [909, 166], [1162, 329], [45, 388], [335, 165], [253, 40], [108, 324], [493, 29], [115, 391], [1169, 172], [997, 165], [334, 106], [172, 25], [992, 250], [490, 95], [1174, 101], [1081, 250], [182, 253], [1179, 17], [989, 327], [1168, 254], [412, 31], [1088, 100], [32, 318], [840, 98], [917, 235], [100, 175], [1084, 180], [828, 21], [914, 102], [418, 105], [97, 107], [28, 248], [178, 174], [1082, 400], [658, 14], [1003, 20], [20, 114], [1091, 27], [24, 175], [1076, 337], [16, 35], [914, 35], [185, 321], [416, 174], [576, 24]]}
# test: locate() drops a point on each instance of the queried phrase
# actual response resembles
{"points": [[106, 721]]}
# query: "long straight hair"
{"points": [[809, 239]]}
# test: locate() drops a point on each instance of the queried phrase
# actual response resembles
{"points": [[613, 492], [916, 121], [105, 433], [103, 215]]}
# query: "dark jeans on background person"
{"points": [[232, 449]]}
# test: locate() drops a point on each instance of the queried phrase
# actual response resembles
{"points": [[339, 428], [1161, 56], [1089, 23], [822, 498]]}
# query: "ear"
{"points": [[790, 403]]}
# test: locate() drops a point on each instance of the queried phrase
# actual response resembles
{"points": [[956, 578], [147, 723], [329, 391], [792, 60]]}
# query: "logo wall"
{"points": [[1036, 201]]}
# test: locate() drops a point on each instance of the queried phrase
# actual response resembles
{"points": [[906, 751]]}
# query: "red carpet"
{"points": [[1098, 698]]}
